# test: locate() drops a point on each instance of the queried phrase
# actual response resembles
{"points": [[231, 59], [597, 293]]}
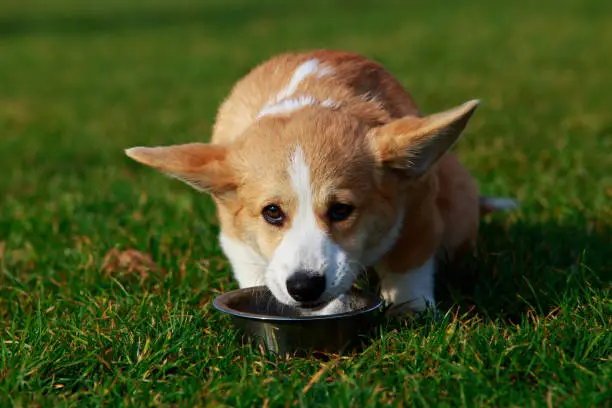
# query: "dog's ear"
{"points": [[413, 144], [201, 165]]}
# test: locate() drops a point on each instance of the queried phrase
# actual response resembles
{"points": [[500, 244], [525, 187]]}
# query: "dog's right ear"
{"points": [[201, 165], [414, 144]]}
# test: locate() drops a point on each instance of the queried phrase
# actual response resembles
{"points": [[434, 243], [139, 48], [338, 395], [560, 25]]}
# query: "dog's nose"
{"points": [[306, 286]]}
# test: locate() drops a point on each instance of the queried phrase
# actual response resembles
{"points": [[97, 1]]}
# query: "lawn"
{"points": [[528, 323]]}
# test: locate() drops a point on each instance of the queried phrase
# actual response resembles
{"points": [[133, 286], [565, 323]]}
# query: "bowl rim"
{"points": [[220, 303]]}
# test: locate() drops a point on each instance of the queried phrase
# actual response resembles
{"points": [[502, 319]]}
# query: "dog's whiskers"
{"points": [[362, 267]]}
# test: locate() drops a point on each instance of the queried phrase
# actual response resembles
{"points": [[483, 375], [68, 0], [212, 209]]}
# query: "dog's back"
{"points": [[291, 80]]}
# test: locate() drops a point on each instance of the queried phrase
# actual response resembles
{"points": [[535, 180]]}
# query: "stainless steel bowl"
{"points": [[284, 330]]}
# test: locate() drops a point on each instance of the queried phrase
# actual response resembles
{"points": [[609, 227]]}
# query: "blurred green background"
{"points": [[82, 80]]}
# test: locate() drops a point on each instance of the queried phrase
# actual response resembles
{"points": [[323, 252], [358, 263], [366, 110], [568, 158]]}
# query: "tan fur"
{"points": [[448, 217], [374, 150], [355, 76]]}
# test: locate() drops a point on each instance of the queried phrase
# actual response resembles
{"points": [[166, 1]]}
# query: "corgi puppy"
{"points": [[321, 165]]}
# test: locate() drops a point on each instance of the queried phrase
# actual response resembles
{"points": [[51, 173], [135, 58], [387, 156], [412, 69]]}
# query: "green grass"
{"points": [[81, 81]]}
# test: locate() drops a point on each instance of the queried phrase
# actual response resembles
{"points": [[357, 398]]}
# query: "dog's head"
{"points": [[319, 194]]}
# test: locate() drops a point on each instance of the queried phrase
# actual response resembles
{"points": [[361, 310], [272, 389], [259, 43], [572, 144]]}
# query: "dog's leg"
{"points": [[249, 267], [411, 291]]}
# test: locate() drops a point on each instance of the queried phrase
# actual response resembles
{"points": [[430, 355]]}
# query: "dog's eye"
{"points": [[339, 212], [273, 215]]}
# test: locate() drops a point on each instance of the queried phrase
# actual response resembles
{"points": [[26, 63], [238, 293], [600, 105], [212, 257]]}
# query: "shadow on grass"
{"points": [[527, 266]]}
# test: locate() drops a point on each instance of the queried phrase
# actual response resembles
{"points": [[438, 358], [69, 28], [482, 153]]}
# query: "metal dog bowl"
{"points": [[284, 330]]}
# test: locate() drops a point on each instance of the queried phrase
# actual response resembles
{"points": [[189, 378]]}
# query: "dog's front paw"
{"points": [[414, 308]]}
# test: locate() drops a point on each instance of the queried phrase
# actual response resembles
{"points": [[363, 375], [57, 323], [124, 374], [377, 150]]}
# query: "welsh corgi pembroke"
{"points": [[322, 166]]}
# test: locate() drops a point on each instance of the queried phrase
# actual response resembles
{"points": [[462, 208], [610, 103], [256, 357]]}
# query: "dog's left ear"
{"points": [[413, 144]]}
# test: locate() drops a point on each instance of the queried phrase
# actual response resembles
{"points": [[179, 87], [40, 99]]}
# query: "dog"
{"points": [[322, 166]]}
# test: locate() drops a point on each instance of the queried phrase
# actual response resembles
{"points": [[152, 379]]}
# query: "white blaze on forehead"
{"points": [[299, 173], [307, 240], [284, 103]]}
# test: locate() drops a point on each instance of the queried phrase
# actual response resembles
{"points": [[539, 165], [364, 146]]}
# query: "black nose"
{"points": [[306, 286]]}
